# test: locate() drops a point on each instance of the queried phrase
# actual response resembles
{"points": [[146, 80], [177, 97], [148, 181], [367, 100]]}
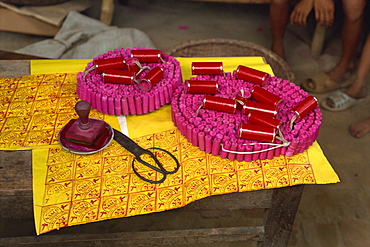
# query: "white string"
{"points": [[292, 121], [197, 111], [163, 61], [141, 68], [142, 88], [88, 71], [285, 144]]}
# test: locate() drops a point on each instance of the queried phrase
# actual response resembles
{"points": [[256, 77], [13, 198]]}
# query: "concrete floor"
{"points": [[333, 215]]}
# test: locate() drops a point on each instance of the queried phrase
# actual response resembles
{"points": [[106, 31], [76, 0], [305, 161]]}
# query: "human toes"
{"points": [[360, 129]]}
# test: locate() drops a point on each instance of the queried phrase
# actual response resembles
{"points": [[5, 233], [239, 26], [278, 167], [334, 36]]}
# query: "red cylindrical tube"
{"points": [[147, 56], [119, 76], [242, 96], [257, 132], [219, 104], [151, 78], [201, 87], [270, 110], [154, 75], [260, 118], [305, 106], [252, 75], [262, 95], [109, 63], [133, 65], [207, 68]]}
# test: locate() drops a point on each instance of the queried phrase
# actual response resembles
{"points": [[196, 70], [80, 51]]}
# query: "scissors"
{"points": [[138, 151]]}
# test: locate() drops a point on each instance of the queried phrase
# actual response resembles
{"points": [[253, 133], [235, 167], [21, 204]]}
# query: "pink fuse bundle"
{"points": [[248, 117], [129, 81]]}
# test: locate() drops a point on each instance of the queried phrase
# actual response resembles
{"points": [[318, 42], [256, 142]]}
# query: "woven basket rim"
{"points": [[242, 43]]}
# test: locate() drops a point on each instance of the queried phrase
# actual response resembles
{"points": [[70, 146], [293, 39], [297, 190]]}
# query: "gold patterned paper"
{"points": [[87, 188], [34, 108]]}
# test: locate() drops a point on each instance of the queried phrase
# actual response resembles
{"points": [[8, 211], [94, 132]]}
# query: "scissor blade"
{"points": [[127, 143]]}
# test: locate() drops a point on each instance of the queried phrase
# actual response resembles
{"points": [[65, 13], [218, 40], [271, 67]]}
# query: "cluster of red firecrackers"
{"points": [[261, 110]]}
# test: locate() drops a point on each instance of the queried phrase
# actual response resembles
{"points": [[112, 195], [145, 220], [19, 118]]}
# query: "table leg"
{"points": [[107, 10], [279, 218]]}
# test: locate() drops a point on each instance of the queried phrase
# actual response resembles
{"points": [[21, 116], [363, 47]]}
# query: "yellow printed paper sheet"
{"points": [[34, 108], [71, 189], [78, 189]]}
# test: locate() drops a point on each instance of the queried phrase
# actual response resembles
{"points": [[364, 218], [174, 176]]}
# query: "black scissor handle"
{"points": [[164, 175], [137, 151], [160, 170], [172, 156]]}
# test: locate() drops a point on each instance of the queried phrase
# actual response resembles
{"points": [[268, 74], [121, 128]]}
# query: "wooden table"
{"points": [[17, 209]]}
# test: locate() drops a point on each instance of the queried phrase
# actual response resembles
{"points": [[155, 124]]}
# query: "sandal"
{"points": [[323, 84], [341, 101]]}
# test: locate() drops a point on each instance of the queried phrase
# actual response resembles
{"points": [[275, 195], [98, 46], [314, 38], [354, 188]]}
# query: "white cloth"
{"points": [[82, 37]]}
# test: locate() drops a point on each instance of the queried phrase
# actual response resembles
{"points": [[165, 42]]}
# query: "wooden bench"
{"points": [[278, 206]]}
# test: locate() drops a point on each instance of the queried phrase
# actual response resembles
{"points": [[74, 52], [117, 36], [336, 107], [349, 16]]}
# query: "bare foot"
{"points": [[360, 129], [356, 91]]}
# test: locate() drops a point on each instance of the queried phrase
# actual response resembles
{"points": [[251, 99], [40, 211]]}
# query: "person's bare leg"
{"points": [[351, 34], [360, 129], [359, 88], [279, 16]]}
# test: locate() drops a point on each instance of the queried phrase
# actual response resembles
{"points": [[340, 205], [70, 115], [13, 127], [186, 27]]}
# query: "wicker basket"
{"points": [[233, 48]]}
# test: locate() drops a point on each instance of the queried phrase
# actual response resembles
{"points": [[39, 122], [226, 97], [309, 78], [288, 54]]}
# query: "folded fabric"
{"points": [[84, 37]]}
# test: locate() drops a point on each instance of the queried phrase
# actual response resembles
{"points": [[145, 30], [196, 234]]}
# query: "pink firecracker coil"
{"points": [[257, 132], [270, 110], [219, 104], [262, 95], [201, 87], [151, 79], [252, 75], [305, 106], [147, 56], [260, 118], [119, 76], [207, 68], [109, 63]]}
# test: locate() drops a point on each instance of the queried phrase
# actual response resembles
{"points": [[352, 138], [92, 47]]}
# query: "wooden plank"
{"points": [[143, 238], [16, 184], [236, 1], [233, 201], [14, 68], [8, 55], [15, 22], [16, 173]]}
